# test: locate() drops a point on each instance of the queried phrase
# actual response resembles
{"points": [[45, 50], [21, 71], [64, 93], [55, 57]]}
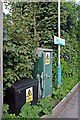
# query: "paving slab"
{"points": [[71, 110]]}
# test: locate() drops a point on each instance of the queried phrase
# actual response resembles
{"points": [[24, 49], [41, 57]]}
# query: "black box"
{"points": [[21, 92]]}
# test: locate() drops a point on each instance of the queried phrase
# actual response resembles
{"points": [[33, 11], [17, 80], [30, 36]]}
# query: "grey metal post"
{"points": [[59, 65], [59, 31], [1, 58]]}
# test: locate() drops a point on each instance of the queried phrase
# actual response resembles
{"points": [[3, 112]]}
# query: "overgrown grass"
{"points": [[67, 84], [43, 107]]}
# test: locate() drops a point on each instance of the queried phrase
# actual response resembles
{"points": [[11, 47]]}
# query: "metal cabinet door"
{"points": [[47, 82]]}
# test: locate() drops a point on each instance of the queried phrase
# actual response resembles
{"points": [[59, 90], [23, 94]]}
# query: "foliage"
{"points": [[34, 24], [6, 112], [78, 37], [28, 111], [39, 23], [45, 106], [69, 53], [46, 20], [19, 44], [67, 85], [31, 111]]}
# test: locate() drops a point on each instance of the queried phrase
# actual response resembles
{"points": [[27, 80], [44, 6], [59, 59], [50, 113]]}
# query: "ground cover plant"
{"points": [[43, 107]]}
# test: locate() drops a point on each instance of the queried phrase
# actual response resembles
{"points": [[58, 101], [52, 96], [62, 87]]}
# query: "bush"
{"points": [[43, 107], [67, 84], [19, 45]]}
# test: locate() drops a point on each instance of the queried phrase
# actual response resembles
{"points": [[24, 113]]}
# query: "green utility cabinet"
{"points": [[43, 72]]}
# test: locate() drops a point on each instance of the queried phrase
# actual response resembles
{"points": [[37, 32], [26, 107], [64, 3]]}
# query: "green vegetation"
{"points": [[31, 25], [65, 88], [19, 45], [43, 107]]}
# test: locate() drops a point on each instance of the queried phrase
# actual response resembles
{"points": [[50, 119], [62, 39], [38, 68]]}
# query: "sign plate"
{"points": [[29, 94], [47, 58], [59, 41]]}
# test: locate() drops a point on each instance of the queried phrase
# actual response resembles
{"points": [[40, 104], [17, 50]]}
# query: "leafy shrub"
{"points": [[33, 22], [28, 111], [67, 84], [19, 45], [6, 112], [43, 107]]}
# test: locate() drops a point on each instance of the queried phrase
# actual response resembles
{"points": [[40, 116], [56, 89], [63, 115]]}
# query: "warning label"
{"points": [[47, 61], [29, 94]]}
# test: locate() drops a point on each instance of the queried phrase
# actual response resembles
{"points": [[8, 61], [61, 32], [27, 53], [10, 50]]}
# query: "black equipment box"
{"points": [[21, 92]]}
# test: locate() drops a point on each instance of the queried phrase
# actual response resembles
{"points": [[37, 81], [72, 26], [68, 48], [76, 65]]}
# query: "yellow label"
{"points": [[29, 94], [47, 58], [30, 98]]}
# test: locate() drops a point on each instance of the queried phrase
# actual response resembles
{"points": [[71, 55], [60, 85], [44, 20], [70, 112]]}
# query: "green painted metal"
{"points": [[43, 72], [47, 75]]}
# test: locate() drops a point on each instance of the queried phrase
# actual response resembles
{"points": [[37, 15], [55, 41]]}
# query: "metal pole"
{"points": [[1, 58], [59, 66], [59, 31]]}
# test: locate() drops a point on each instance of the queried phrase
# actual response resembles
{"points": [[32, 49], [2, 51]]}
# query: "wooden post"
{"points": [[1, 58]]}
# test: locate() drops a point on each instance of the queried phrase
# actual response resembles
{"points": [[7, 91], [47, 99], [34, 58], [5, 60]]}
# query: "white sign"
{"points": [[59, 41], [29, 94]]}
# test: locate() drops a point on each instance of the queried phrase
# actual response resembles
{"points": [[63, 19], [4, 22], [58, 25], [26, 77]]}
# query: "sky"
{"points": [[6, 11]]}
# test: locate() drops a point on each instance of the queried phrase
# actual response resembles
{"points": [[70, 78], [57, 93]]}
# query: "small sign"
{"points": [[59, 41], [47, 58], [29, 94]]}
